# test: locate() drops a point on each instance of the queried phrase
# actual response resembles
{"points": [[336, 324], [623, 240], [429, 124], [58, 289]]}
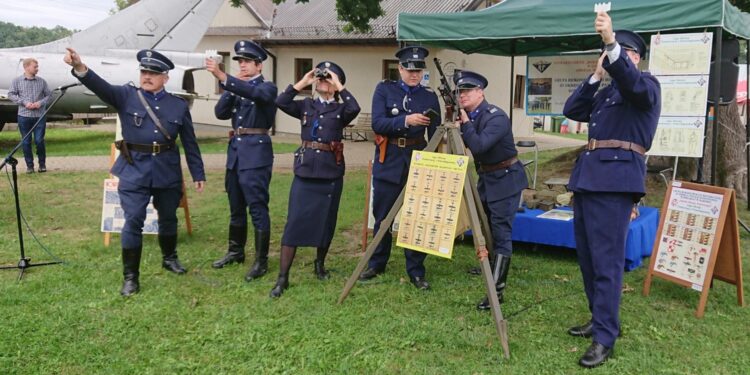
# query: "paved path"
{"points": [[356, 154]]}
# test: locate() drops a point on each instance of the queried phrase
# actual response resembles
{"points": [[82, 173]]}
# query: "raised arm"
{"points": [[113, 95]]}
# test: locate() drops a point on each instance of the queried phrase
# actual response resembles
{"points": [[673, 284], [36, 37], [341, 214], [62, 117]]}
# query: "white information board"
{"points": [[550, 80], [688, 236], [681, 63], [113, 217]]}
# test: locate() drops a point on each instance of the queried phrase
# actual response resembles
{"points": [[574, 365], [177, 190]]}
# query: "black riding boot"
{"points": [[131, 262], [320, 268], [287, 257], [260, 266], [169, 262], [236, 251], [500, 268]]}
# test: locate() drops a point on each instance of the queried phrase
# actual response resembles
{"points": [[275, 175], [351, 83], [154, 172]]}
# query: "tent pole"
{"points": [[512, 87], [716, 95], [512, 79], [747, 111]]}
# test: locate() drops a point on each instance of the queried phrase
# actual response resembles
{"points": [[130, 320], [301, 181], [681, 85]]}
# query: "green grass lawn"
{"points": [[82, 142], [70, 319]]}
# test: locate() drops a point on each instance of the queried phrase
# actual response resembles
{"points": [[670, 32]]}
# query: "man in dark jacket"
{"points": [[149, 161], [609, 176], [249, 102], [488, 133]]}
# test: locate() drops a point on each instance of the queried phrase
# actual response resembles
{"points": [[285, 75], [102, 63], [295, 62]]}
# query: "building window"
{"points": [[390, 70], [519, 92], [223, 66], [301, 67]]}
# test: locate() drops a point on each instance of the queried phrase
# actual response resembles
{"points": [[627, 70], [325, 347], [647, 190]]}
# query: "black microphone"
{"points": [[65, 87]]}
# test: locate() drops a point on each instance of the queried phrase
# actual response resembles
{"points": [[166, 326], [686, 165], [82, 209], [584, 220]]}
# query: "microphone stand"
{"points": [[25, 262]]}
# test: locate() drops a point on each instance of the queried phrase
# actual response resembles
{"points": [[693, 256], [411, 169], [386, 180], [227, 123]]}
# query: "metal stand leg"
{"points": [[479, 226], [24, 262]]}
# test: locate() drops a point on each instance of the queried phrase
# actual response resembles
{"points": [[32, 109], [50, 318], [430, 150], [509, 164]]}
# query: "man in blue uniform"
{"points": [[149, 161], [401, 112], [488, 133], [609, 176], [249, 100]]}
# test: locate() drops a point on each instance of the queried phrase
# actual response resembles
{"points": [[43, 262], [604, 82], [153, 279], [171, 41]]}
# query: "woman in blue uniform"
{"points": [[318, 165]]}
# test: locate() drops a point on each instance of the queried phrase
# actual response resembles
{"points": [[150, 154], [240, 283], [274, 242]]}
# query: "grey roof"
{"points": [[316, 21], [251, 32], [263, 9]]}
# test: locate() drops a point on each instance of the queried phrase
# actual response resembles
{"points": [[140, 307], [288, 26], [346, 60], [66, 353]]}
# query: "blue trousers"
{"points": [[134, 200], [24, 126], [384, 196], [501, 214], [601, 227], [248, 189]]}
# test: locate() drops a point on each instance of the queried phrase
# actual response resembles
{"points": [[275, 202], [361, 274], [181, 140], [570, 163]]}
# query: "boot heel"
{"points": [[260, 266], [168, 245], [282, 283], [236, 250], [320, 270], [131, 262]]}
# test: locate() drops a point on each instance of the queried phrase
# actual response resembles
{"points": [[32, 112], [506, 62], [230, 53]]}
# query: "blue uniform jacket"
{"points": [[489, 136], [160, 170], [250, 104], [627, 110], [320, 123], [391, 103]]}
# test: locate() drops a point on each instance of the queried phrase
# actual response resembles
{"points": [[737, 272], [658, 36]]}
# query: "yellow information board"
{"points": [[432, 202]]}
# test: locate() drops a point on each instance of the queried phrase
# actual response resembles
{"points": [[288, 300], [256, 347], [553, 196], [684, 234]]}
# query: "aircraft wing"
{"points": [[8, 109], [176, 25]]}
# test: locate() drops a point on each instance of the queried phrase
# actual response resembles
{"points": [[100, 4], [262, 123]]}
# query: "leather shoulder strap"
{"points": [[153, 116]]}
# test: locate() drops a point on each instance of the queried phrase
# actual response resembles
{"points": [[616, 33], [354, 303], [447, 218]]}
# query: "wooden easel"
{"points": [[723, 256], [183, 201], [478, 223]]}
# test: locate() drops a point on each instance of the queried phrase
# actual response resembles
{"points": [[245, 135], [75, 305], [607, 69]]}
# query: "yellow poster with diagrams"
{"points": [[432, 202]]}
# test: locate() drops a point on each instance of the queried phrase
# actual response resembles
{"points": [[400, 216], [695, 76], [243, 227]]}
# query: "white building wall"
{"points": [[363, 65]]}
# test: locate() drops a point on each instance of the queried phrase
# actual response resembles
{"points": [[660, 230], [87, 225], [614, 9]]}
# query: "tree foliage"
{"points": [[121, 4], [18, 36], [356, 13], [744, 5]]}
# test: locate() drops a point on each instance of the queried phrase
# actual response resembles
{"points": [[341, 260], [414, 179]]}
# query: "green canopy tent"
{"points": [[526, 27]]}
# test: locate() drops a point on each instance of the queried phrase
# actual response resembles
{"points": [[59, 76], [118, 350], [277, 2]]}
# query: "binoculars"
{"points": [[322, 74]]}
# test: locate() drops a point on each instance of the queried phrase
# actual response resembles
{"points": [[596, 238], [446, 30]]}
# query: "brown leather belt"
{"points": [[248, 131], [403, 142], [335, 146], [613, 143], [154, 148], [484, 168], [316, 146]]}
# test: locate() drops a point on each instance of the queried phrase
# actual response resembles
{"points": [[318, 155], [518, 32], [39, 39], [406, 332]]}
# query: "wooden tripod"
{"points": [[478, 223]]}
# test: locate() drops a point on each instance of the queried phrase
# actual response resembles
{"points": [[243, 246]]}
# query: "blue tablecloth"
{"points": [[527, 227]]}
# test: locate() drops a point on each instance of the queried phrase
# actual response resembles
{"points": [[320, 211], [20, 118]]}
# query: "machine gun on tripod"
{"points": [[448, 94]]}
